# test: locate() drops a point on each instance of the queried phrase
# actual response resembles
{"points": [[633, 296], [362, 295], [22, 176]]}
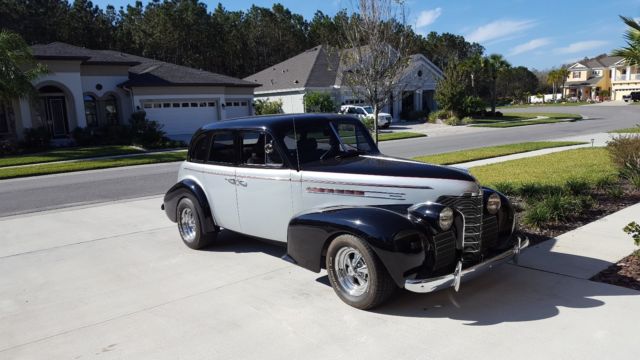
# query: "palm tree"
{"points": [[631, 52], [17, 67], [562, 74], [494, 65], [552, 79]]}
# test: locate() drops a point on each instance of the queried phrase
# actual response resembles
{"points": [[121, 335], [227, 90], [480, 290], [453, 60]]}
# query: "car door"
{"points": [[219, 177], [263, 187]]}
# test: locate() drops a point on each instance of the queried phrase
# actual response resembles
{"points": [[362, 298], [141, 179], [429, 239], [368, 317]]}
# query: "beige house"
{"points": [[92, 88], [588, 78], [624, 79]]}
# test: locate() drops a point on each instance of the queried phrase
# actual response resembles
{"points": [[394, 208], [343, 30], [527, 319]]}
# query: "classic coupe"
{"points": [[317, 184]]}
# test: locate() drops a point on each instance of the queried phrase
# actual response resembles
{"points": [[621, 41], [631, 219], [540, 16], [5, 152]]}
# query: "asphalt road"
{"points": [[47, 192]]}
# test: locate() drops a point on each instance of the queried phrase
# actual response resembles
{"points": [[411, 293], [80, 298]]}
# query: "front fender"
{"points": [[396, 240], [189, 187]]}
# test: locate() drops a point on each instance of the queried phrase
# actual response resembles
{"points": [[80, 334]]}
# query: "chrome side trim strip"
{"points": [[366, 184]]}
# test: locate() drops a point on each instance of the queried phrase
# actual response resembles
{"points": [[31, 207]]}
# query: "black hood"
{"points": [[387, 166]]}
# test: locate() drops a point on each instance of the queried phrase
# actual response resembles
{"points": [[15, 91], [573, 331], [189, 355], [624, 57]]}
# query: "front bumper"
{"points": [[454, 280]]}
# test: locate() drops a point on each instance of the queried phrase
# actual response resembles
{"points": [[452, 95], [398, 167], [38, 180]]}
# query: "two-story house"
{"points": [[624, 79], [589, 77]]}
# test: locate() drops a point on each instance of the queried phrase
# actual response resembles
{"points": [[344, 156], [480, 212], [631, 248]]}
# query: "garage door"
{"points": [[237, 108], [181, 118]]}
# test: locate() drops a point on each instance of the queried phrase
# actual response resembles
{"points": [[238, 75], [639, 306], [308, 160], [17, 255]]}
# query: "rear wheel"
{"points": [[356, 274], [190, 225]]}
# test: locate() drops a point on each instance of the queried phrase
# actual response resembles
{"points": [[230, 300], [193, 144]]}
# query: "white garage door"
{"points": [[237, 108], [181, 117]]}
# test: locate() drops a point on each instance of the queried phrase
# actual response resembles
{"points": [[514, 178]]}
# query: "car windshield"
{"points": [[318, 141], [368, 109]]}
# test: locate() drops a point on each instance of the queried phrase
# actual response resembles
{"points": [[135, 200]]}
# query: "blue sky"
{"points": [[535, 33]]}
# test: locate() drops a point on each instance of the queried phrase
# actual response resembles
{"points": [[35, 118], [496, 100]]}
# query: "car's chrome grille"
{"points": [[471, 208]]}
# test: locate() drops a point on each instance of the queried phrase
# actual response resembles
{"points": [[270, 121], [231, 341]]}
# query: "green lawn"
{"points": [[462, 156], [399, 135], [523, 119], [90, 165], [541, 105], [68, 154], [633, 130], [590, 164]]}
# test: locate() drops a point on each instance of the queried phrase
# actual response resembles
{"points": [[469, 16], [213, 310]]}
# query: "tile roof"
{"points": [[143, 72]]}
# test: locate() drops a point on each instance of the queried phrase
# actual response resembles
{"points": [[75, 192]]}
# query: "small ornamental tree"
{"points": [[452, 89], [319, 102], [266, 107]]}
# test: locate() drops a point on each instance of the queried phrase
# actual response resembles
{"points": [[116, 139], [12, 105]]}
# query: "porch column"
{"points": [[628, 73], [418, 100], [613, 74]]}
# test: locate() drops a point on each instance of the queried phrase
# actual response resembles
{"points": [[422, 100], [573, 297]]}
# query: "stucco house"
{"points": [[319, 69], [587, 78], [90, 88], [624, 79]]}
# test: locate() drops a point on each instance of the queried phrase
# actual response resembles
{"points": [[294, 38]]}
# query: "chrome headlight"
{"points": [[445, 219], [493, 203]]}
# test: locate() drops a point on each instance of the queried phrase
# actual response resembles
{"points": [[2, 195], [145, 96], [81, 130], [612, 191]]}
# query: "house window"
{"points": [[212, 104], [157, 105], [4, 117], [194, 104], [229, 103], [176, 105], [111, 110], [203, 104], [147, 105], [576, 74], [90, 110], [185, 104], [166, 105]]}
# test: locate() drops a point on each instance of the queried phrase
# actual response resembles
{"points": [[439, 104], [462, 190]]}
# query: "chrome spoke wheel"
{"points": [[187, 224], [352, 271]]}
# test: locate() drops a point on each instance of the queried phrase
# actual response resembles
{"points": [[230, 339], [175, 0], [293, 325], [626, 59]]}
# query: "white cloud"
{"points": [[529, 45], [428, 17], [581, 46], [499, 29]]}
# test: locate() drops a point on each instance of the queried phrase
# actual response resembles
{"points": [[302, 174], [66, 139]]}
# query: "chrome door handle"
{"points": [[231, 181], [241, 183]]}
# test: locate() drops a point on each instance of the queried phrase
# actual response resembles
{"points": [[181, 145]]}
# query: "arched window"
{"points": [[91, 110], [111, 110]]}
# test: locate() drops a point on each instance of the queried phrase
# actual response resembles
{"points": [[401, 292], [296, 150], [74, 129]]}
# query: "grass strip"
{"points": [[69, 154], [399, 135], [632, 130], [46, 169], [588, 164], [462, 156]]}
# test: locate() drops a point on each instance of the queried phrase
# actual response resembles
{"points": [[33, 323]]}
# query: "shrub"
{"points": [[368, 122], [537, 216], [84, 136], [266, 107], [439, 115], [8, 147], [634, 179], [506, 188], [625, 154], [633, 229], [317, 102], [560, 206], [36, 138], [604, 183], [453, 121], [577, 186], [467, 120], [534, 191], [143, 131], [473, 105], [615, 191]]}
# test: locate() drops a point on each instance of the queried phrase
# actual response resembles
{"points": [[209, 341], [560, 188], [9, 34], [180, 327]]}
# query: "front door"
{"points": [[56, 113], [264, 188]]}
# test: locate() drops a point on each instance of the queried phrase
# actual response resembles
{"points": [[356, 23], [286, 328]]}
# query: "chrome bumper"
{"points": [[454, 280]]}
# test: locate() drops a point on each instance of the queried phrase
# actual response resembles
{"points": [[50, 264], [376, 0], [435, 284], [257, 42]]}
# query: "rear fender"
{"points": [[189, 187]]}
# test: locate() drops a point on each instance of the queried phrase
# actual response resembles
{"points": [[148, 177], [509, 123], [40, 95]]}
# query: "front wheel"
{"points": [[356, 274], [190, 225]]}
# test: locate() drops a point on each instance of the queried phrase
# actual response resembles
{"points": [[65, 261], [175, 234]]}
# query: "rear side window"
{"points": [[223, 148], [259, 149], [200, 148]]}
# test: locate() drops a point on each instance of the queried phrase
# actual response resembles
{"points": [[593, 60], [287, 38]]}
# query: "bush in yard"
{"points": [[633, 229], [453, 121], [615, 191], [36, 138], [266, 107], [85, 136], [439, 115], [8, 147], [318, 102], [577, 186], [537, 216], [473, 105], [467, 120], [605, 182], [145, 132], [368, 122], [625, 154], [452, 89]]}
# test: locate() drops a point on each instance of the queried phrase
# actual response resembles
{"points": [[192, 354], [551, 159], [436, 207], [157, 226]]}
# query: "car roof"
{"points": [[273, 121]]}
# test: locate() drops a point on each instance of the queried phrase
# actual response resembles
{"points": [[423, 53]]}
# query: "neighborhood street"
{"points": [[115, 280], [55, 191]]}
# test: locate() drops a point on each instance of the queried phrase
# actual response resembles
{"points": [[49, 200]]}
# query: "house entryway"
{"points": [[52, 109]]}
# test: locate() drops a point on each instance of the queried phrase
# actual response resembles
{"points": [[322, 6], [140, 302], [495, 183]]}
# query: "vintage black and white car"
{"points": [[318, 184]]}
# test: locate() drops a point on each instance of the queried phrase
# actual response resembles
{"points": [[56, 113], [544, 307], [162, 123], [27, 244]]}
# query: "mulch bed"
{"points": [[626, 272]]}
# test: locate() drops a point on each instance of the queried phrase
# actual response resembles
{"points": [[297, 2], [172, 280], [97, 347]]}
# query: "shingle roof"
{"points": [[315, 67], [143, 72], [600, 61]]}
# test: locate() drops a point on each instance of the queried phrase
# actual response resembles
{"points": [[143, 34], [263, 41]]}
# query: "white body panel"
{"points": [[219, 187]]}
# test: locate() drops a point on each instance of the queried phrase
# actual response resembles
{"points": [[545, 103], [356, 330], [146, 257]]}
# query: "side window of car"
{"points": [[222, 148], [360, 111], [199, 150], [311, 141], [259, 148], [351, 111]]}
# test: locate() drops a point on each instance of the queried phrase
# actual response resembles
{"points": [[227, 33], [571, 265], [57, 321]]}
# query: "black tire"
{"points": [[380, 285], [197, 239]]}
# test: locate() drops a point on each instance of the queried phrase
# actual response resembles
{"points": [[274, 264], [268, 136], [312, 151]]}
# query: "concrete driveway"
{"points": [[115, 281]]}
